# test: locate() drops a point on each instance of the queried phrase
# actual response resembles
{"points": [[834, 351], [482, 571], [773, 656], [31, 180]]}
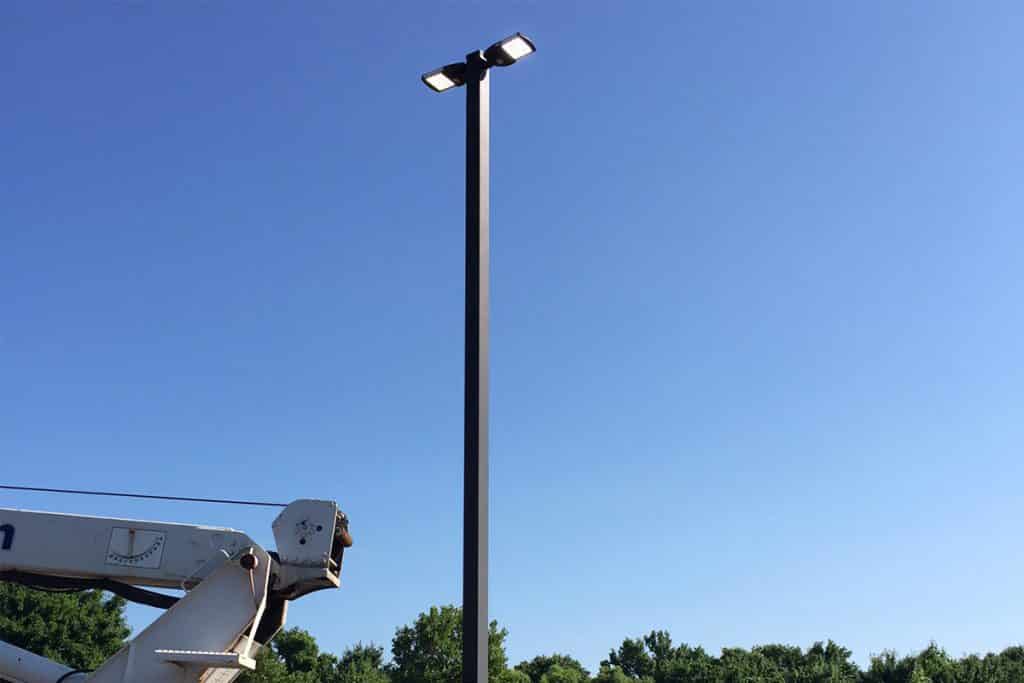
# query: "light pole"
{"points": [[473, 73]]}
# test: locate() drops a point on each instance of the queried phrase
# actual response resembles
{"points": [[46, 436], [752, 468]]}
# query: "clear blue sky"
{"points": [[757, 319]]}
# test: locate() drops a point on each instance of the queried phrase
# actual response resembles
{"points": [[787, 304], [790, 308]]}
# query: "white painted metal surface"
{"points": [[156, 554], [21, 666], [304, 531], [212, 617], [305, 534]]}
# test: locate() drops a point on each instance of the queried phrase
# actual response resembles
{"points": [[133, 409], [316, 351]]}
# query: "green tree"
{"points": [[562, 674], [430, 649], [936, 665], [270, 669], [784, 657], [652, 657], [291, 657], [659, 644], [824, 663], [691, 665], [918, 675], [1008, 665], [540, 665], [78, 629], [300, 654], [362, 664], [631, 658], [294, 657], [740, 666], [610, 673], [886, 668], [933, 665]]}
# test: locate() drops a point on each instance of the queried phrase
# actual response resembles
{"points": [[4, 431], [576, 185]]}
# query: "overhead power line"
{"points": [[77, 492]]}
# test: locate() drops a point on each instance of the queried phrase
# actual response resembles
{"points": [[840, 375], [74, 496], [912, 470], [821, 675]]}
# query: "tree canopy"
{"points": [[557, 667], [430, 650], [77, 629], [294, 657], [83, 629]]}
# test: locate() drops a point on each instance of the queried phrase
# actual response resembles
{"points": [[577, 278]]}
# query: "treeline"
{"points": [[429, 651], [82, 629]]}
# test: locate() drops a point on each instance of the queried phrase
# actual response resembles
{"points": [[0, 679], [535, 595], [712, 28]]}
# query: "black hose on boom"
{"points": [[64, 584]]}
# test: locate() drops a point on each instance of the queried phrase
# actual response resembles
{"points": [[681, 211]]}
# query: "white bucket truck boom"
{"points": [[236, 593]]}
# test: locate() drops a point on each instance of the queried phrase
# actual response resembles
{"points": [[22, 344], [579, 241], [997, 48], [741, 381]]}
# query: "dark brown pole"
{"points": [[475, 484]]}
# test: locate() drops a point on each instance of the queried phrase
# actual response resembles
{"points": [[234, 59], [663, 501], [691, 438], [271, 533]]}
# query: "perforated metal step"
{"points": [[211, 660]]}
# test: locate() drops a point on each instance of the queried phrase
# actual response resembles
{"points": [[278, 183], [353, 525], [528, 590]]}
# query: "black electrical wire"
{"points": [[77, 492]]}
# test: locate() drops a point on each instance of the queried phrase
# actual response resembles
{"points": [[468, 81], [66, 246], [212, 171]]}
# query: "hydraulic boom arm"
{"points": [[236, 592]]}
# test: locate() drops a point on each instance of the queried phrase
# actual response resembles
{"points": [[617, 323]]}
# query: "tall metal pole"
{"points": [[475, 483]]}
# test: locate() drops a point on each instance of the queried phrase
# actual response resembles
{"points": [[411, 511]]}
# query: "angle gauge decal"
{"points": [[136, 548]]}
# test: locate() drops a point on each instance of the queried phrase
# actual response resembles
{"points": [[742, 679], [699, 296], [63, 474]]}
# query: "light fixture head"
{"points": [[445, 78], [509, 50]]}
